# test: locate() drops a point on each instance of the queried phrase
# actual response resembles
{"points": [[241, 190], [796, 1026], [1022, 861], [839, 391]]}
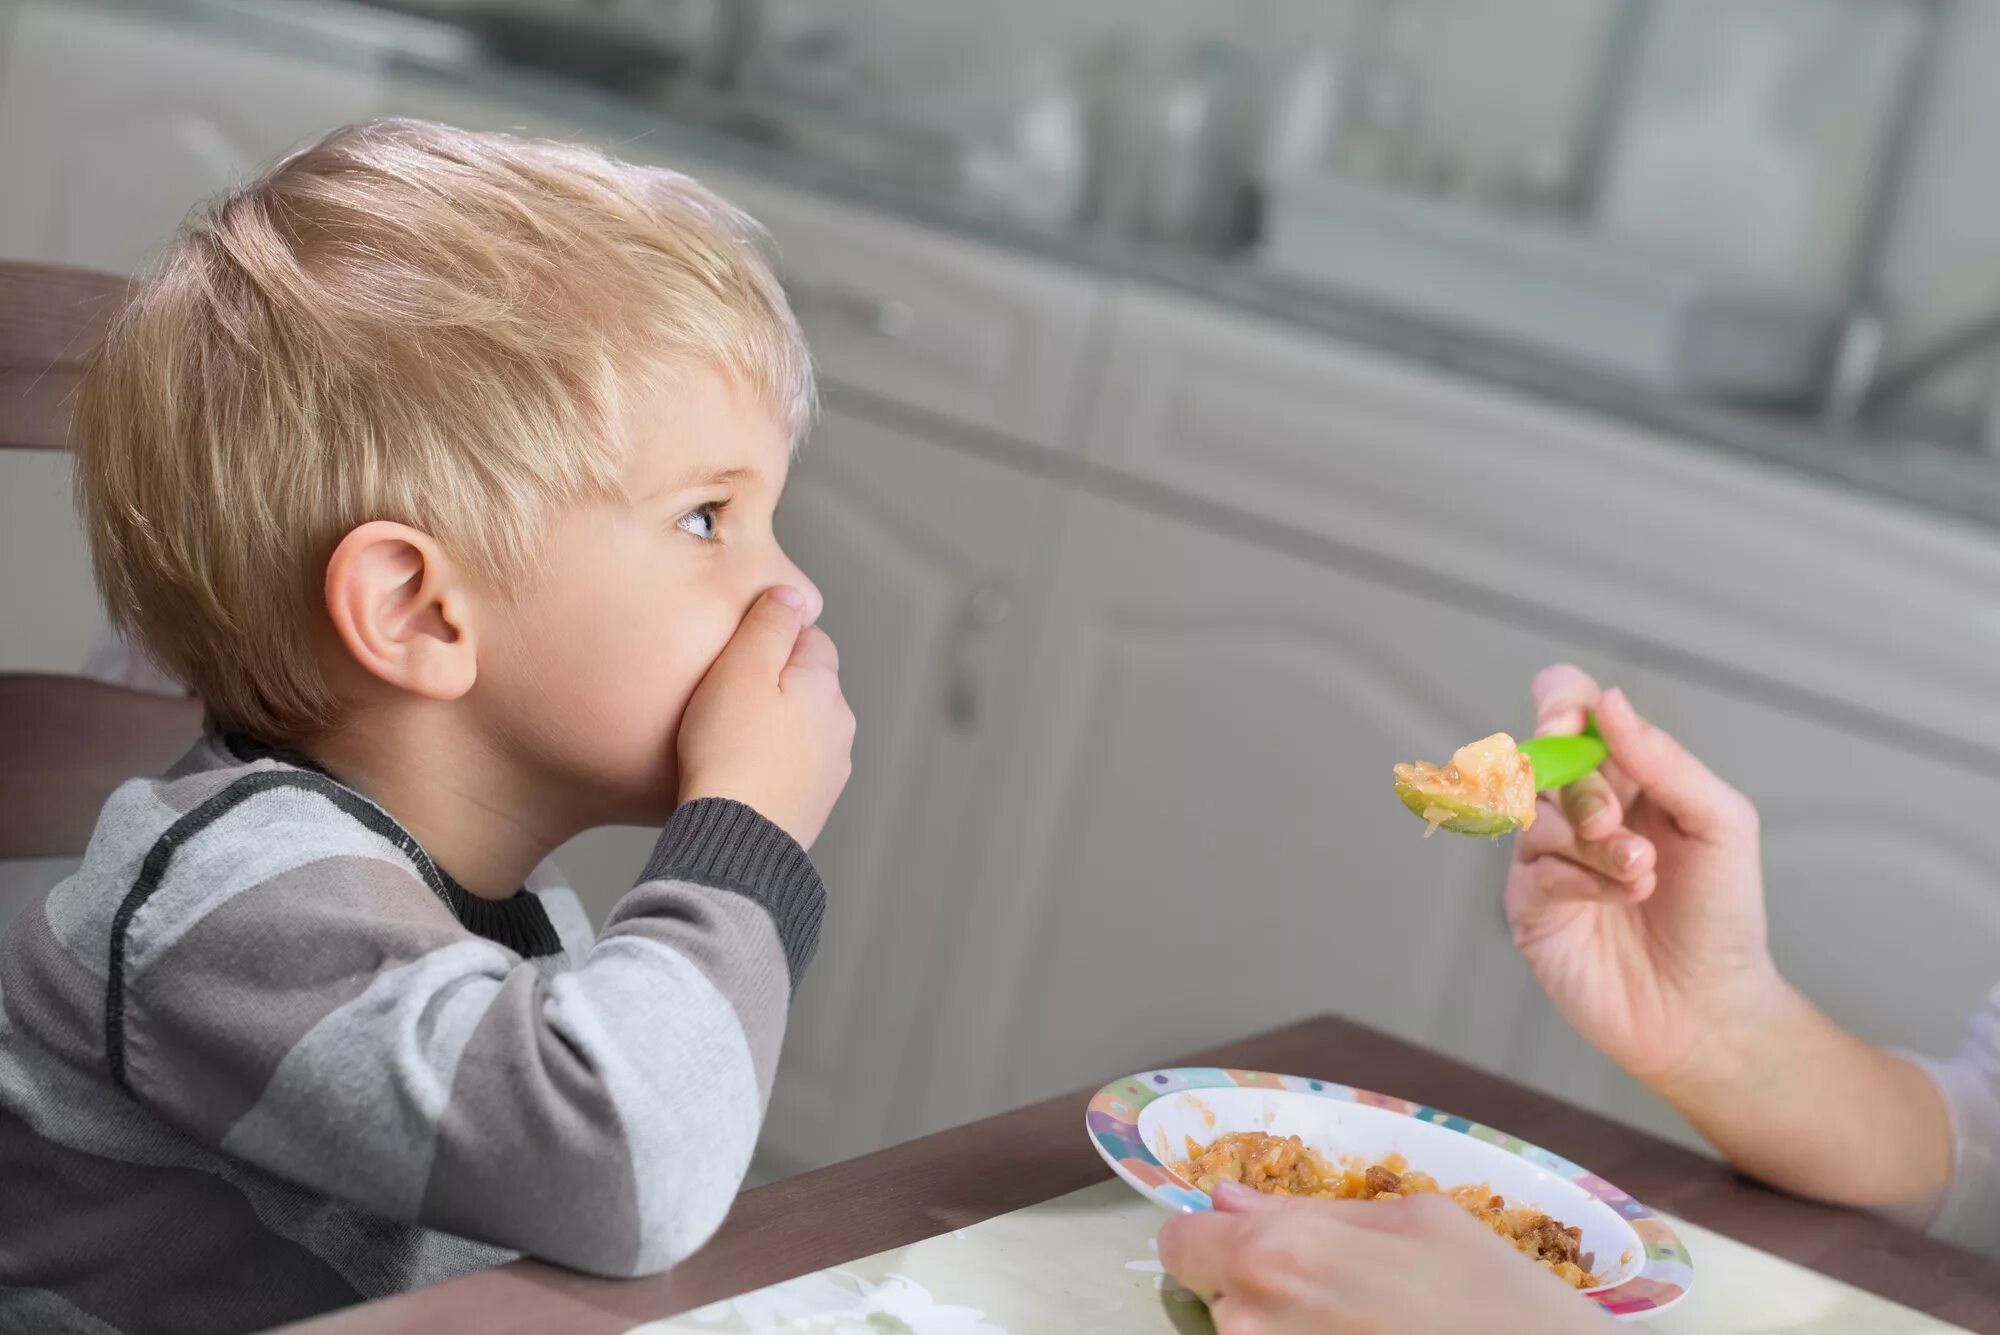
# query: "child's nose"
{"points": [[815, 600]]}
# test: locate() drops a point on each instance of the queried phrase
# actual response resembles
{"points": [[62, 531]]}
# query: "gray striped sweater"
{"points": [[259, 1057]]}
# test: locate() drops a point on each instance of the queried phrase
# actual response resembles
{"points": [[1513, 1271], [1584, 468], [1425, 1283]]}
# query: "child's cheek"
{"points": [[669, 667]]}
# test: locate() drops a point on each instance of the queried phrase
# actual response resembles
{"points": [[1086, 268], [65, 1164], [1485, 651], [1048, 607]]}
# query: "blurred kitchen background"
{"points": [[1224, 400]]}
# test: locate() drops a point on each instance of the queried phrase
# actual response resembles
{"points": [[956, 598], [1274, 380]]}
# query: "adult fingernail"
{"points": [[1589, 809], [1627, 854], [789, 596]]}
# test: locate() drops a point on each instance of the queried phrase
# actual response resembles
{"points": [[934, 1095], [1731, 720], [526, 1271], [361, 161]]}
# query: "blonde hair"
{"points": [[404, 321]]}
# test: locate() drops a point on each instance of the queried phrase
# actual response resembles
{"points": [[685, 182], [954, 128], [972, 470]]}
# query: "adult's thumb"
{"points": [[1235, 1198]]}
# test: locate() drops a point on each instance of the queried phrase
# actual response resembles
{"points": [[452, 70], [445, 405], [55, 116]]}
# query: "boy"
{"points": [[441, 467]]}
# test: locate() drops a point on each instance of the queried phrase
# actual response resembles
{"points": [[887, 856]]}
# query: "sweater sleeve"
{"points": [[297, 997], [1967, 1212]]}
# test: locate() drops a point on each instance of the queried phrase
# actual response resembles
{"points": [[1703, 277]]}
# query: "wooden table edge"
{"points": [[900, 1195]]}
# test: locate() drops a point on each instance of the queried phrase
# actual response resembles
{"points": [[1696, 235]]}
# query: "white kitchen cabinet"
{"points": [[114, 125], [922, 553], [930, 320], [1195, 834], [1879, 866], [909, 315], [1628, 537], [1833, 634], [419, 95]]}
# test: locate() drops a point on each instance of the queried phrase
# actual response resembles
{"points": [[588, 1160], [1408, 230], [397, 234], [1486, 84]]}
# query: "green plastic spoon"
{"points": [[1558, 763], [1561, 761]]}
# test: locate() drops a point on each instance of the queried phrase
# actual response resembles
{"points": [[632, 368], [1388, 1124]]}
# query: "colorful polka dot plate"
{"points": [[1141, 1124]]}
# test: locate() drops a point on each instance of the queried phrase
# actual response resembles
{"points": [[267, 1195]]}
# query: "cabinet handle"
{"points": [[985, 607], [885, 317]]}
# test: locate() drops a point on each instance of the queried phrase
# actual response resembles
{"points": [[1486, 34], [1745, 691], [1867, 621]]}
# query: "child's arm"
{"points": [[1637, 899], [324, 1018]]}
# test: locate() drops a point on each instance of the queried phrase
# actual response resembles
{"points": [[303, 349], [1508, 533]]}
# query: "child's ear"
{"points": [[403, 610]]}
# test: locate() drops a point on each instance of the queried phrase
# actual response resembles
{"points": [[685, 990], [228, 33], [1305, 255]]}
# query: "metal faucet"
{"points": [[739, 27], [1857, 385]]}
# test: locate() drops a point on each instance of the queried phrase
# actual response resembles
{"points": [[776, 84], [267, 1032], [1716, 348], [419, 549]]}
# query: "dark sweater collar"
{"points": [[519, 922]]}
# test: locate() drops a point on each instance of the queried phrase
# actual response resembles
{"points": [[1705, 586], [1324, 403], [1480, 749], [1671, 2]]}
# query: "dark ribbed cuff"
{"points": [[520, 923], [715, 842]]}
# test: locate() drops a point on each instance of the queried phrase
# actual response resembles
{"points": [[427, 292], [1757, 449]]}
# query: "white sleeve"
{"points": [[1967, 1212], [565, 910]]}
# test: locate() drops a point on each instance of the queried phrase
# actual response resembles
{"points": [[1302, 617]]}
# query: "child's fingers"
{"points": [[815, 649], [1700, 805], [763, 642], [1564, 696]]}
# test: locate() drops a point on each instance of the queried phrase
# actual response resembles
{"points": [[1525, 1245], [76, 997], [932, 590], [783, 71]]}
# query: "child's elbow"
{"points": [[667, 1246], [665, 1218], [675, 1225], [681, 1174], [657, 1246]]}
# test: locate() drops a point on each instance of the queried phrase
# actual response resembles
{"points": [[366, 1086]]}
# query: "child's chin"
{"points": [[656, 811], [624, 799], [648, 807]]}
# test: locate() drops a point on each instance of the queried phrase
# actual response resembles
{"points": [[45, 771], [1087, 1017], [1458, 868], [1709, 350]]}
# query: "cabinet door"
{"points": [[913, 315], [1694, 553], [114, 126], [1197, 837], [921, 552]]}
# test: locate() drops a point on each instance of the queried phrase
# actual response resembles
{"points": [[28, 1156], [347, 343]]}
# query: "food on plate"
{"points": [[1487, 787], [1287, 1166]]}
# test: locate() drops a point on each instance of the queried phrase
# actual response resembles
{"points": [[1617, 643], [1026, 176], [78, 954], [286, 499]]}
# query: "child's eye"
{"points": [[701, 522]]}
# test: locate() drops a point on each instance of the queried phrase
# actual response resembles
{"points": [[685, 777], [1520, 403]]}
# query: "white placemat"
{"points": [[1087, 1262]]}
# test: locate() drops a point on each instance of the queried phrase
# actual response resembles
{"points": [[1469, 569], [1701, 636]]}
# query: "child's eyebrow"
{"points": [[700, 477]]}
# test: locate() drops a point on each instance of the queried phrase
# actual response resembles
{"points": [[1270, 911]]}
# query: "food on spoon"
{"points": [[1487, 787], [1287, 1166]]}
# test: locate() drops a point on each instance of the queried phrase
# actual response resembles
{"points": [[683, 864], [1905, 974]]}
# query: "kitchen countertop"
{"points": [[962, 1177], [1933, 478]]}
